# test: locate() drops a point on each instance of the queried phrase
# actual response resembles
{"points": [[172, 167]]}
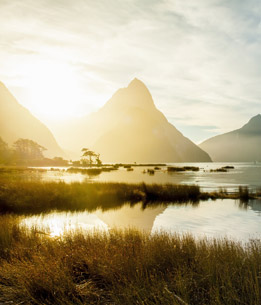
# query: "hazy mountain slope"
{"points": [[129, 128], [241, 145], [17, 122]]}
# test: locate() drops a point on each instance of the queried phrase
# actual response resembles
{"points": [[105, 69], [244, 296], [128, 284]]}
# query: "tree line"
{"points": [[26, 152], [29, 152]]}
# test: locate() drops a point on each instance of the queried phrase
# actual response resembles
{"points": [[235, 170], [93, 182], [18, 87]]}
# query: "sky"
{"points": [[201, 59]]}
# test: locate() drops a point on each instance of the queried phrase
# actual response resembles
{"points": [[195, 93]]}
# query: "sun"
{"points": [[54, 89]]}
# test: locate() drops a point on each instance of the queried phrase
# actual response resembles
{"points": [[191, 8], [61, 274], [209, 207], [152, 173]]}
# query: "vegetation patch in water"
{"points": [[37, 197], [182, 169]]}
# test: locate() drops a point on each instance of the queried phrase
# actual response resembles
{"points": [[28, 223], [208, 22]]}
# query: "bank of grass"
{"points": [[182, 169], [91, 171], [127, 267], [37, 197], [20, 169]]}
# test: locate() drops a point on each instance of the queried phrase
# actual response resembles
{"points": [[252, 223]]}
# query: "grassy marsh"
{"points": [[172, 169], [119, 267], [36, 197], [127, 267]]}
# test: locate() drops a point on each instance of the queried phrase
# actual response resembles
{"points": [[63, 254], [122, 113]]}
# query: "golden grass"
{"points": [[127, 267], [37, 197]]}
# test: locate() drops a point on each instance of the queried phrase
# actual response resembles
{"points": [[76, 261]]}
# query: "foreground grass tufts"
{"points": [[126, 268]]}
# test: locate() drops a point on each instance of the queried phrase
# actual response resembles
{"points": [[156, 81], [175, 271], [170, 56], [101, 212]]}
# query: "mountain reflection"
{"points": [[217, 218]]}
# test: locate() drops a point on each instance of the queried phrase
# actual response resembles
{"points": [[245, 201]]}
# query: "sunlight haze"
{"points": [[130, 152], [65, 59]]}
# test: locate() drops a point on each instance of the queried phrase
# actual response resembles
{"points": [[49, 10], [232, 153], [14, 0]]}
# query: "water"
{"points": [[219, 218], [227, 218], [245, 174]]}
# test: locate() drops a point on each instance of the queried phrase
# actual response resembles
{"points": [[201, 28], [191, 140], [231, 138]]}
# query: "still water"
{"points": [[245, 174], [219, 218]]}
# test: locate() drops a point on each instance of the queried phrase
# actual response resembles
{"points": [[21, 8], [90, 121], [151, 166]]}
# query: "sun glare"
{"points": [[54, 88]]}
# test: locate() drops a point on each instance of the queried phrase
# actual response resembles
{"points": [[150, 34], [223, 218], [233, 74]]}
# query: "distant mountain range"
{"points": [[241, 145], [17, 122], [129, 128]]}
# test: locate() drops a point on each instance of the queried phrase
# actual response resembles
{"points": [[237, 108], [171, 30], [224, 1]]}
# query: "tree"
{"points": [[98, 161], [88, 153], [5, 152], [26, 149]]}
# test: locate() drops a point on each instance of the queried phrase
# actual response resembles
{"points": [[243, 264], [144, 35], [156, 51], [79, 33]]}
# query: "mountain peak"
{"points": [[138, 86], [139, 93], [240, 145], [136, 82], [255, 118], [135, 95], [254, 124], [130, 128]]}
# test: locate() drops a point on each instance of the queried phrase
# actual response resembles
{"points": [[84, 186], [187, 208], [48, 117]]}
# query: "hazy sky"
{"points": [[201, 59]]}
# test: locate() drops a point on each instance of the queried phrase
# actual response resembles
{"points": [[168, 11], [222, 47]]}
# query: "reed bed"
{"points": [[37, 197]]}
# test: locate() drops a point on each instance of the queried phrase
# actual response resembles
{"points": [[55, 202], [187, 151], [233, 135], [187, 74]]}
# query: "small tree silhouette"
{"points": [[86, 152], [98, 160]]}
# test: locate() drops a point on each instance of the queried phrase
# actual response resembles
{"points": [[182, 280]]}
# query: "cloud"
{"points": [[200, 59]]}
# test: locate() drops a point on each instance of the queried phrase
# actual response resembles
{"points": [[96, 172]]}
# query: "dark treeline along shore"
{"points": [[127, 267], [36, 197]]}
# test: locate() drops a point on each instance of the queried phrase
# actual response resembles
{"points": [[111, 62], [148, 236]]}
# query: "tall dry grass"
{"points": [[125, 268], [36, 197]]}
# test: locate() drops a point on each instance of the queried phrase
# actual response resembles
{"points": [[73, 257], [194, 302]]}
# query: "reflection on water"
{"points": [[131, 217], [220, 218], [57, 223], [127, 216]]}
